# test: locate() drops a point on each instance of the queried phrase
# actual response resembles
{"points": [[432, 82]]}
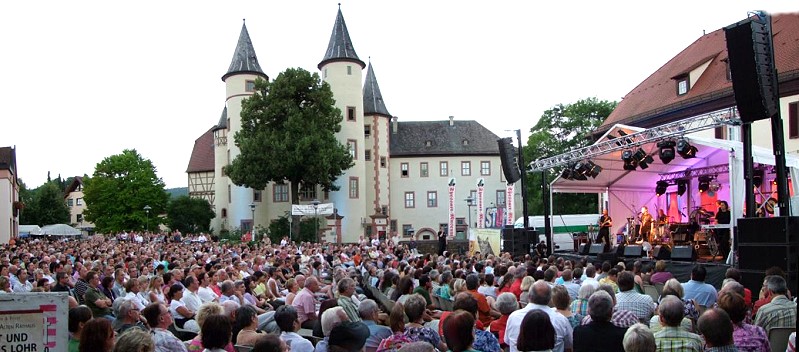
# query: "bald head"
{"points": [[540, 293]]}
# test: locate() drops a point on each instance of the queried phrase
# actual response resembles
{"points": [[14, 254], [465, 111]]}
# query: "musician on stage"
{"points": [[646, 225], [723, 235], [663, 223], [605, 223]]}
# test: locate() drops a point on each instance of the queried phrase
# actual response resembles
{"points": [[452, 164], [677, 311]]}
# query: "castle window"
{"points": [[383, 162], [353, 188], [404, 170], [352, 146], [307, 191], [466, 168], [78, 201], [432, 199], [443, 169], [367, 155], [485, 168], [410, 200], [70, 202], [423, 169], [350, 113], [349, 70], [249, 86], [224, 212], [367, 130], [280, 193], [793, 120], [256, 195], [682, 85]]}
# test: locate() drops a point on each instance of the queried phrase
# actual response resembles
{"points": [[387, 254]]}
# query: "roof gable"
{"points": [[418, 138], [202, 155]]}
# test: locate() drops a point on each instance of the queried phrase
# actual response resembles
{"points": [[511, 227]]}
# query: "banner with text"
{"points": [[451, 210], [35, 322], [509, 220], [480, 201]]}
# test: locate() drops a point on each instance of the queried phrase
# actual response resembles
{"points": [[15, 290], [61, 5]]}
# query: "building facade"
{"points": [[73, 196], [371, 199], [9, 195]]}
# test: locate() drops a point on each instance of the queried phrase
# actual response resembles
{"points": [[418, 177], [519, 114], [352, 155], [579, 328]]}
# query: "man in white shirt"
{"points": [[287, 321], [19, 281], [540, 295], [190, 298], [205, 292], [132, 290], [590, 273]]}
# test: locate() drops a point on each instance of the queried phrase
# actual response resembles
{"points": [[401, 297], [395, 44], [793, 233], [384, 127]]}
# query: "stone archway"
{"points": [[425, 234]]}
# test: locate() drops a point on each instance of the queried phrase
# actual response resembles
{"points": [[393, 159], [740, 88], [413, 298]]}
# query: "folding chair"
{"points": [[778, 338]]}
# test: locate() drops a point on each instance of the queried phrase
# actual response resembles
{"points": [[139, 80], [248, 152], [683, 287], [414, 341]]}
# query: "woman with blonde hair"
{"points": [[206, 310], [292, 288], [458, 286], [526, 283], [155, 293]]}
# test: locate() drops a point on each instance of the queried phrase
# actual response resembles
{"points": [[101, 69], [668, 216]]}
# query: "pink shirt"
{"points": [[305, 303]]}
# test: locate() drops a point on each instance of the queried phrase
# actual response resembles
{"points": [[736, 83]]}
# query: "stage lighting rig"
{"points": [[704, 183], [629, 162], [685, 149], [666, 151], [682, 186], [660, 188], [587, 168], [642, 159]]}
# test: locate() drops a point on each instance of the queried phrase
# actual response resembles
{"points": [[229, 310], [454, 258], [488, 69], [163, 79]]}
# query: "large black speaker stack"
{"points": [[507, 156], [518, 242], [764, 243]]}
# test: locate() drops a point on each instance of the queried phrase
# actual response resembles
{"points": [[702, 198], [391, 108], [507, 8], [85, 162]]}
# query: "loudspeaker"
{"points": [[751, 58], [661, 252], [584, 248], [596, 248], [633, 251], [764, 256], [619, 249], [507, 156], [683, 253], [778, 230], [753, 279]]}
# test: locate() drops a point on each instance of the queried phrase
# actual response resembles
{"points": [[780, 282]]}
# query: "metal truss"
{"points": [[728, 116], [692, 173]]}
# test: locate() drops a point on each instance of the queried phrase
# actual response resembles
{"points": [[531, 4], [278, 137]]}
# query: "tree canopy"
{"points": [[189, 215], [44, 205], [560, 129], [287, 133], [121, 186]]}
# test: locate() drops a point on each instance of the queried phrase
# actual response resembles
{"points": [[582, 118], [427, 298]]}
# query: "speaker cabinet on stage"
{"points": [[596, 248], [619, 249], [764, 256], [779, 230], [661, 252], [753, 279], [633, 251], [507, 157], [681, 253]]}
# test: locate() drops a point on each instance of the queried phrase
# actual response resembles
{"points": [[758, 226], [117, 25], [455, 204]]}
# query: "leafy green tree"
{"points": [[560, 129], [189, 215], [121, 186], [28, 215], [280, 227], [287, 134], [50, 206]]}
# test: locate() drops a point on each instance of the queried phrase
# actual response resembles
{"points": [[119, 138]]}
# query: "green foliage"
{"points": [[44, 205], [280, 228], [189, 215], [560, 129], [117, 192], [288, 134]]}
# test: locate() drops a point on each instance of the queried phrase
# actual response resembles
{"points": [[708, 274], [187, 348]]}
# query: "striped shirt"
{"points": [[781, 312], [641, 305], [677, 340]]}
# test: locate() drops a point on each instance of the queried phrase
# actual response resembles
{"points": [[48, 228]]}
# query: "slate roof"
{"points": [[76, 181], [202, 155], [412, 139], [222, 124], [8, 159], [244, 58], [655, 101], [340, 47], [373, 103]]}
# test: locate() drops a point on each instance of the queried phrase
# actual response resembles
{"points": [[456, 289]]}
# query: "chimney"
{"points": [[452, 120], [394, 125]]}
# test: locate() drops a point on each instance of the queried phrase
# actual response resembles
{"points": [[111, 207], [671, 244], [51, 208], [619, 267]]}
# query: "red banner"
{"points": [[481, 220], [509, 220], [451, 210]]}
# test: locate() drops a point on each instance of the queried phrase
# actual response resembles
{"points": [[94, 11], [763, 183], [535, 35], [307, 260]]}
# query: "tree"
{"points": [[287, 134], [27, 216], [117, 192], [307, 229], [189, 215], [50, 206], [560, 129]]}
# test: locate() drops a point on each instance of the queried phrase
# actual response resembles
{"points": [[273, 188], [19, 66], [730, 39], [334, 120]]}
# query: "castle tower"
{"points": [[239, 84], [221, 200], [342, 69], [376, 134]]}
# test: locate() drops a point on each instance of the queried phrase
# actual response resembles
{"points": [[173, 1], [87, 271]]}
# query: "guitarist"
{"points": [[605, 223], [646, 225]]}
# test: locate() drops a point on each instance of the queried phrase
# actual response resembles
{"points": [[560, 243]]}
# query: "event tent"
{"points": [[29, 230], [59, 230], [627, 191]]}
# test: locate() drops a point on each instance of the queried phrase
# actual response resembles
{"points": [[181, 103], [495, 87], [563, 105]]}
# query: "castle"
{"points": [[403, 172]]}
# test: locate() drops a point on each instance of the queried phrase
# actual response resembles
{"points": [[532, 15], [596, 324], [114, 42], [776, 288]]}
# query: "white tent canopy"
{"points": [[627, 191], [60, 230], [29, 230]]}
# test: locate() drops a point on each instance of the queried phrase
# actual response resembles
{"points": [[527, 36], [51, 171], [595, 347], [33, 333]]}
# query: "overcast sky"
{"points": [[83, 80]]}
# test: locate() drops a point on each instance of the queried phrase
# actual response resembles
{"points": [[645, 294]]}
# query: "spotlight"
{"points": [[666, 151], [758, 178], [588, 168], [685, 149], [642, 159], [682, 186], [660, 188], [571, 173], [704, 184], [714, 185], [629, 162]]}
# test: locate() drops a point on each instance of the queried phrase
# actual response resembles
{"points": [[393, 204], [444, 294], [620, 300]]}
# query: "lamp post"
{"points": [[315, 204], [252, 209], [470, 203], [147, 221], [290, 220]]}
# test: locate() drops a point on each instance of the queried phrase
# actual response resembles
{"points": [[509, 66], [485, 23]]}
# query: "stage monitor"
{"points": [[683, 253], [596, 248], [661, 252], [633, 251]]}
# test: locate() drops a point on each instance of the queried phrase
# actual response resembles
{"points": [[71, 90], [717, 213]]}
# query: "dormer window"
{"points": [[465, 142], [682, 85], [428, 143]]}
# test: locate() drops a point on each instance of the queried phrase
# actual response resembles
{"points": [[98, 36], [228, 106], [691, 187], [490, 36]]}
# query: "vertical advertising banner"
{"points": [[481, 220], [509, 220], [451, 209], [34, 322]]}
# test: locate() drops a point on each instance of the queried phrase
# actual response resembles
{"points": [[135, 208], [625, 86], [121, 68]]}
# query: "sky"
{"points": [[83, 80]]}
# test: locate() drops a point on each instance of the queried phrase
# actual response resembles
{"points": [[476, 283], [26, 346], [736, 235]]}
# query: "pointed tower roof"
{"points": [[373, 103], [222, 120], [340, 47], [244, 58]]}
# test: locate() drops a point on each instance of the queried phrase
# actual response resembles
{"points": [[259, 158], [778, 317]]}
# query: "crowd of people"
{"points": [[144, 292]]}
